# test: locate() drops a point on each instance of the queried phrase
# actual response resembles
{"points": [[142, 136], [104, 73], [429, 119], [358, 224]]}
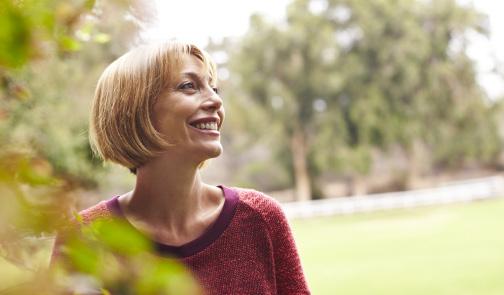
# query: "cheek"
{"points": [[162, 122], [170, 118], [171, 126]]}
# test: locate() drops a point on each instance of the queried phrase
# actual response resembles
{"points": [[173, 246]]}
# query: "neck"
{"points": [[170, 194]]}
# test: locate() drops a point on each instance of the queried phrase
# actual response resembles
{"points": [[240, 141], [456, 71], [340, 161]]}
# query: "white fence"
{"points": [[455, 192]]}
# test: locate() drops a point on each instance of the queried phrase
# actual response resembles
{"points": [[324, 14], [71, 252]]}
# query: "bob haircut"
{"points": [[121, 129]]}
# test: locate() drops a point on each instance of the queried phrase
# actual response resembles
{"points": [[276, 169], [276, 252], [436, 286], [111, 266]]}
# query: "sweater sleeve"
{"points": [[290, 278]]}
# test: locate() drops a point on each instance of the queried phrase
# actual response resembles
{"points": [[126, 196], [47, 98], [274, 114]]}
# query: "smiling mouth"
{"points": [[206, 126]]}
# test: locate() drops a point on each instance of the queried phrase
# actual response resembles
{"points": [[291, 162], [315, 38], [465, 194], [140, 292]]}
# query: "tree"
{"points": [[415, 65], [34, 121], [344, 77], [286, 77]]}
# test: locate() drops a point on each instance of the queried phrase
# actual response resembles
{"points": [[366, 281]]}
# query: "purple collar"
{"points": [[203, 241]]}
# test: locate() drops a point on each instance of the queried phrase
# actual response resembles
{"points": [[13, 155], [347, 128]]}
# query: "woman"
{"points": [[157, 111]]}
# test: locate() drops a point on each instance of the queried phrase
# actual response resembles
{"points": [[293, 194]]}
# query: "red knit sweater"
{"points": [[248, 250]]}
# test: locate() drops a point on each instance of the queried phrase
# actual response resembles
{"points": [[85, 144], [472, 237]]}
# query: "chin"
{"points": [[217, 151], [210, 152]]}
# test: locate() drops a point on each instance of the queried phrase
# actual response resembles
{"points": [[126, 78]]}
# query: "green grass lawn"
{"points": [[455, 249]]}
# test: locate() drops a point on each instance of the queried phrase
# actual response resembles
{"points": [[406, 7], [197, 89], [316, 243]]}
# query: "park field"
{"points": [[451, 249]]}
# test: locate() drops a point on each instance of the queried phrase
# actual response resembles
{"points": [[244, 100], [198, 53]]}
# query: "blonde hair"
{"points": [[121, 127]]}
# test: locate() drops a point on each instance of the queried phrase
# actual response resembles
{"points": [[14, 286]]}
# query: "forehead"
{"points": [[190, 65]]}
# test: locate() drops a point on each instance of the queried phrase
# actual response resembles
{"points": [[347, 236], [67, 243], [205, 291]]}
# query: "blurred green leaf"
{"points": [[166, 276], [15, 36], [68, 43], [27, 174], [83, 256], [120, 237], [101, 38]]}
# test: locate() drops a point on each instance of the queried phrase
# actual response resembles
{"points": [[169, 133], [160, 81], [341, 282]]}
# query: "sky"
{"points": [[199, 20], [489, 53]]}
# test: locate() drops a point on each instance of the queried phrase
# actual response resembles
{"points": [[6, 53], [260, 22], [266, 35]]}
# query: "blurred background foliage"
{"points": [[341, 97], [351, 90], [51, 54]]}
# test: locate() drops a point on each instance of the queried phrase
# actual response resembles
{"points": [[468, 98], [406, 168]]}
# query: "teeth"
{"points": [[207, 126]]}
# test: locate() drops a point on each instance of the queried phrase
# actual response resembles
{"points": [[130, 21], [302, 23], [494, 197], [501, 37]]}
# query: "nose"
{"points": [[213, 102]]}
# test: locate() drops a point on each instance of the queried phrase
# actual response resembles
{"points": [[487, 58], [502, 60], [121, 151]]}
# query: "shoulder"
{"points": [[267, 207], [98, 211], [256, 199], [84, 217]]}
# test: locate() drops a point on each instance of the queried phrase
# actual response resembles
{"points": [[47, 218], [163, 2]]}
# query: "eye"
{"points": [[187, 85]]}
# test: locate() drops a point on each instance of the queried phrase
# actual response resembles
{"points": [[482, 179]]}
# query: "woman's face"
{"points": [[190, 113]]}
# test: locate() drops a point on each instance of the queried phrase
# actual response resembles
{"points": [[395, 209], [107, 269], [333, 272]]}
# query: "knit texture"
{"points": [[254, 254]]}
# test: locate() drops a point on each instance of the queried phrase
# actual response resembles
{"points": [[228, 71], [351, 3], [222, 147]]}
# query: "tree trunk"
{"points": [[356, 185], [416, 165], [299, 160]]}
